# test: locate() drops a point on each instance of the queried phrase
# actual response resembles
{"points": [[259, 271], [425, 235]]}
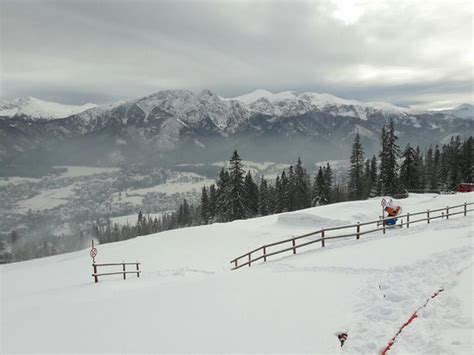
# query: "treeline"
{"points": [[236, 194], [396, 172]]}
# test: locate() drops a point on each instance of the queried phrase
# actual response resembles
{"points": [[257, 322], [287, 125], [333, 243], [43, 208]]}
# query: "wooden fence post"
{"points": [[322, 238], [465, 209], [358, 230], [428, 216], [447, 212], [250, 258], [96, 278], [408, 219], [138, 269], [294, 244], [235, 262], [123, 267], [264, 253]]}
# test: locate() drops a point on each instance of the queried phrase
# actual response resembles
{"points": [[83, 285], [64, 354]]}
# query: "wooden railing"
{"points": [[124, 272], [290, 244]]}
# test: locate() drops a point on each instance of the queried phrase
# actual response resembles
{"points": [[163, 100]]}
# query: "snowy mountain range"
{"points": [[182, 126], [36, 109]]}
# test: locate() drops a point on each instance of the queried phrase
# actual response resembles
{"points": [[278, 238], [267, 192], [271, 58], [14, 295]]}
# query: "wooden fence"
{"points": [[124, 272], [290, 244]]}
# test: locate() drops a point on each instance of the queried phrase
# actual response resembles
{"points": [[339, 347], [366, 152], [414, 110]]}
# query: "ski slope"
{"points": [[188, 300]]}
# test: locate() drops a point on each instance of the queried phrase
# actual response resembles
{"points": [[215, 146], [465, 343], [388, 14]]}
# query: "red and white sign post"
{"points": [[93, 254], [383, 203]]}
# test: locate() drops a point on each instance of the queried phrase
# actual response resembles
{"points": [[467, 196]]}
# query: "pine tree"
{"points": [[235, 194], [356, 174], [430, 171], [251, 197], [302, 195], [212, 202], [205, 206], [328, 182], [467, 161], [408, 172], [222, 193], [374, 181], [318, 189], [388, 161], [264, 207]]}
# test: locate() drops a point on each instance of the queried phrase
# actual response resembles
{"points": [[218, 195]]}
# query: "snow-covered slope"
{"points": [[187, 299], [292, 103], [38, 109], [461, 111]]}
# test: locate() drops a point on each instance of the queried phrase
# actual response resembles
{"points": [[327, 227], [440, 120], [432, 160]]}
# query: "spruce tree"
{"points": [[408, 173], [205, 206], [328, 182], [235, 195], [212, 202], [388, 160], [264, 207], [251, 197], [356, 173], [302, 195]]}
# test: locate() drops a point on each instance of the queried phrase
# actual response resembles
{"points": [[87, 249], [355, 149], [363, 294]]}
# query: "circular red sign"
{"points": [[93, 252]]}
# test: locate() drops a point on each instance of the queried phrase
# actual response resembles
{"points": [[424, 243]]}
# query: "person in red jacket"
{"points": [[392, 211]]}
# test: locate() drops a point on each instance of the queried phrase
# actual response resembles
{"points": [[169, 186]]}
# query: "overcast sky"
{"points": [[415, 52]]}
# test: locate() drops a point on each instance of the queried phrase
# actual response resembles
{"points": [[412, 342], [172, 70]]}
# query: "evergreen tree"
{"points": [[328, 182], [205, 215], [356, 174], [302, 194], [318, 189], [430, 171], [467, 161], [222, 192], [251, 197], [212, 201], [235, 194], [388, 161], [374, 180], [408, 171], [264, 207]]}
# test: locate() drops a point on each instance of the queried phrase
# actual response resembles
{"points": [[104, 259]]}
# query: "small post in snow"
{"points": [[123, 268], [408, 219], [447, 212], [358, 230], [294, 244], [465, 209], [428, 216], [322, 238]]}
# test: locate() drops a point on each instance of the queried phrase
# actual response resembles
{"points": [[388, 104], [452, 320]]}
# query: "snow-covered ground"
{"points": [[188, 300], [76, 171], [131, 219]]}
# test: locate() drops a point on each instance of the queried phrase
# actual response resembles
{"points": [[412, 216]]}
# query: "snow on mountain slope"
{"points": [[461, 111], [291, 103], [187, 299], [39, 109]]}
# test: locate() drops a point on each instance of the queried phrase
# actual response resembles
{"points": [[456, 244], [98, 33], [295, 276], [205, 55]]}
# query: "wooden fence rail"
{"points": [[263, 251], [124, 272]]}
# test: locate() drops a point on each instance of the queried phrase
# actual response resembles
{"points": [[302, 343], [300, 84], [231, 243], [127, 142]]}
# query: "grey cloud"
{"points": [[411, 52]]}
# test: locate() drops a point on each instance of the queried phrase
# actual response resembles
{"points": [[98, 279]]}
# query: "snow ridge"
{"points": [[39, 109]]}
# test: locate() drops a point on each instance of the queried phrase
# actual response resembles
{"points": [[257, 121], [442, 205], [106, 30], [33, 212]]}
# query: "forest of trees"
{"points": [[236, 194]]}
